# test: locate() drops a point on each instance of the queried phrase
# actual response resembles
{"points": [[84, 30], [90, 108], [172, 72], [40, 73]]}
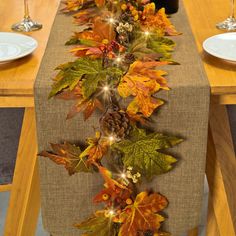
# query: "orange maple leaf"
{"points": [[102, 31], [157, 22], [109, 181], [142, 215], [67, 155], [72, 5], [97, 148], [100, 3], [83, 105], [142, 81], [115, 192], [68, 94], [98, 51], [144, 104]]}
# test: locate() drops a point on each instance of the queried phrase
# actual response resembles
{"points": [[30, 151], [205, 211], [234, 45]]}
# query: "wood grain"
{"points": [[212, 227], [30, 219], [220, 170], [228, 99], [17, 77], [24, 202], [203, 16], [12, 101], [5, 187]]}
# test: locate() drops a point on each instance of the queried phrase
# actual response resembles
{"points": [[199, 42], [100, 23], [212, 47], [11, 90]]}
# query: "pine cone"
{"points": [[115, 123], [129, 58], [148, 233]]}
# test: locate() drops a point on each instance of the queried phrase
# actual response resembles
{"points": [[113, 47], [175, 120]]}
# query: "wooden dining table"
{"points": [[16, 90]]}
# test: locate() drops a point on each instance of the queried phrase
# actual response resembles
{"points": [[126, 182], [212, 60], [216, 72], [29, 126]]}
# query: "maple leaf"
{"points": [[85, 106], [82, 50], [140, 152], [144, 104], [97, 225], [97, 148], [68, 155], [108, 50], [139, 48], [68, 94], [109, 181], [86, 16], [143, 215], [71, 73], [142, 81], [101, 31], [72, 5], [161, 45], [100, 3], [157, 22], [115, 191]]}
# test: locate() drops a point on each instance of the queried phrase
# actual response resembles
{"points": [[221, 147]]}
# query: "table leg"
{"points": [[212, 227], [221, 174], [24, 202]]}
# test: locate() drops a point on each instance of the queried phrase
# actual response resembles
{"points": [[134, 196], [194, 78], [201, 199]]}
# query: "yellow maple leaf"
{"points": [[72, 5], [143, 215], [97, 148], [142, 81], [157, 22], [144, 104]]}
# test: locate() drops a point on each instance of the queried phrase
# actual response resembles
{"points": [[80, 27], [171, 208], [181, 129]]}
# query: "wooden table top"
{"points": [[17, 78], [203, 16]]}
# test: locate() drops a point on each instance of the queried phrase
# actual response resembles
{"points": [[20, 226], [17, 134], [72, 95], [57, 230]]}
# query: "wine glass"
{"points": [[230, 23], [27, 24]]}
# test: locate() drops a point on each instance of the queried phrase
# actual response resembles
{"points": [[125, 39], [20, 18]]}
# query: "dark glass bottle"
{"points": [[171, 6]]}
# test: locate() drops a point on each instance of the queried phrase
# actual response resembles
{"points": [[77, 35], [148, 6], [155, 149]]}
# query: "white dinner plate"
{"points": [[14, 46], [222, 46]]}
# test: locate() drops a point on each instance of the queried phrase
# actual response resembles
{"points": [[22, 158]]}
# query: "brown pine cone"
{"points": [[115, 123], [129, 58]]}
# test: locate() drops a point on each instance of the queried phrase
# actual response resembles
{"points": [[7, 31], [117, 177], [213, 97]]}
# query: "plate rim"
{"points": [[23, 54], [214, 54]]}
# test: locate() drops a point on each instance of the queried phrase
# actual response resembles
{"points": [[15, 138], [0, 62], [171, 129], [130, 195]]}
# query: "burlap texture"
{"points": [[67, 200]]}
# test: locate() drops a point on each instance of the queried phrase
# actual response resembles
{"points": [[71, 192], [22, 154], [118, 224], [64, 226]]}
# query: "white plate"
{"points": [[14, 46], [222, 46]]}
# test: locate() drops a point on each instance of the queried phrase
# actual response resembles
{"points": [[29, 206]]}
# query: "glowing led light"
{"points": [[106, 88], [123, 176], [118, 59], [147, 33], [111, 20], [111, 138], [111, 213]]}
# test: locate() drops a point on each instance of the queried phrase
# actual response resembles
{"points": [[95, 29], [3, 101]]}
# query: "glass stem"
{"points": [[232, 9], [26, 16]]}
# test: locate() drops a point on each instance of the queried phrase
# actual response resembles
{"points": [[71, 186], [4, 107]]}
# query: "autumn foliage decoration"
{"points": [[120, 48]]}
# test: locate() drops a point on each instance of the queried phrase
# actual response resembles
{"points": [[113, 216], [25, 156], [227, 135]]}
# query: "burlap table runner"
{"points": [[68, 200]]}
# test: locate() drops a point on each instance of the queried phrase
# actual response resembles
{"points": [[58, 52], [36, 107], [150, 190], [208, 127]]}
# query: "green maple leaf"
{"points": [[90, 70], [140, 152], [140, 49], [97, 225], [164, 46], [91, 81], [68, 155], [72, 41]]}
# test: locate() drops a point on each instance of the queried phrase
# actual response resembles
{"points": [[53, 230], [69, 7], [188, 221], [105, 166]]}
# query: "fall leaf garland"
{"points": [[120, 47]]}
